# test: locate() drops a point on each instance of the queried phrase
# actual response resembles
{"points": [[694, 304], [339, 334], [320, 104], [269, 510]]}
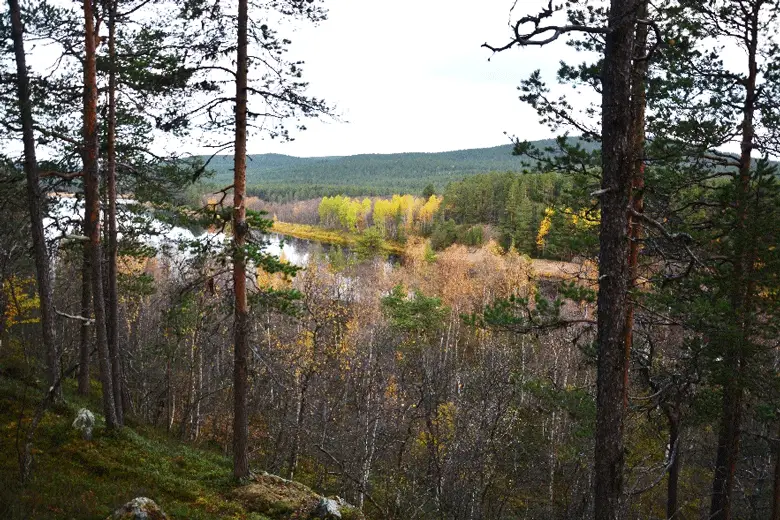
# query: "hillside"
{"points": [[283, 177], [78, 479]]}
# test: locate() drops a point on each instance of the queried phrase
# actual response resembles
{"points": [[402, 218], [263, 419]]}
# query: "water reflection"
{"points": [[68, 213]]}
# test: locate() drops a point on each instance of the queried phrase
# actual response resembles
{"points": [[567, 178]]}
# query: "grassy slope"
{"points": [[76, 479]]}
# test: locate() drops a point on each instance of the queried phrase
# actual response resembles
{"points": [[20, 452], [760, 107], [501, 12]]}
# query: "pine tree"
{"points": [[35, 198], [699, 106], [276, 94], [617, 171]]}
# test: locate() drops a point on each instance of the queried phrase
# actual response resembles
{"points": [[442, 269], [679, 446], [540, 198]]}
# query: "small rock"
{"points": [[140, 508], [85, 421], [327, 509]]}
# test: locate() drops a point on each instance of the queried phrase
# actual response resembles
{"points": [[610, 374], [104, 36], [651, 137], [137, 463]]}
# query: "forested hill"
{"points": [[283, 177]]}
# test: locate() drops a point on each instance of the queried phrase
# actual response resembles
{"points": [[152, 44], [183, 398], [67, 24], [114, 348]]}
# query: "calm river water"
{"points": [[68, 214]]}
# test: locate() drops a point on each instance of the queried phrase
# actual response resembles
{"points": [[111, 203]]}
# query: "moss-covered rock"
{"points": [[276, 497], [283, 499]]}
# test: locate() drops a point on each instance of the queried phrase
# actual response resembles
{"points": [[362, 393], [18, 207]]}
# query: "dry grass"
{"points": [[585, 273]]}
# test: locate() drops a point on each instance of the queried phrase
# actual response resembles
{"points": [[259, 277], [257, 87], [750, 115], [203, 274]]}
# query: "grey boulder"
{"points": [[85, 421], [140, 508], [327, 509]]}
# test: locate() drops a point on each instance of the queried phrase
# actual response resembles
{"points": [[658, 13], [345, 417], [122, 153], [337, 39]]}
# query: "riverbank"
{"points": [[331, 236], [544, 269]]}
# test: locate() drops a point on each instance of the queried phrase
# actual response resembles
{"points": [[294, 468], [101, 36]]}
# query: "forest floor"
{"points": [[77, 479]]}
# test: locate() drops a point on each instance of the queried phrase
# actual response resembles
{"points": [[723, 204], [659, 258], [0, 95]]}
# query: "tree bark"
{"points": [[112, 304], [776, 486], [92, 209], [672, 485], [35, 202], [638, 107], [86, 310], [618, 162], [241, 316]]}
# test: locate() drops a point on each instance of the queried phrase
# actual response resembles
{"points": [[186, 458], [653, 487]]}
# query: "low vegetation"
{"points": [[79, 479]]}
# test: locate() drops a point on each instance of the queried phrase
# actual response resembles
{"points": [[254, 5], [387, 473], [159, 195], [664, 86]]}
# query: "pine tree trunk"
{"points": [[112, 304], [85, 335], [638, 106], [92, 209], [618, 159], [728, 450], [241, 318], [3, 309], [35, 201], [672, 485], [776, 486], [741, 289]]}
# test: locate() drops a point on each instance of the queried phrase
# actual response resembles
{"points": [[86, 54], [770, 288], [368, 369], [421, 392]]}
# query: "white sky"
{"points": [[410, 76]]}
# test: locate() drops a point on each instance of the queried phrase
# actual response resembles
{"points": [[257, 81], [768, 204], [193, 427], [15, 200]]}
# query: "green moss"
{"points": [[350, 513], [77, 479]]}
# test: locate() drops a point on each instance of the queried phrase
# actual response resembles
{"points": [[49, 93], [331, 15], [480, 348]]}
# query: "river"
{"points": [[67, 215]]}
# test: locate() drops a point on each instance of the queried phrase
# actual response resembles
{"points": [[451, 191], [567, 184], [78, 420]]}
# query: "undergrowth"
{"points": [[77, 479]]}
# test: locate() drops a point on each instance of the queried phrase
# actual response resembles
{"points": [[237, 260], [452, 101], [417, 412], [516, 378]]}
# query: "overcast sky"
{"points": [[410, 76]]}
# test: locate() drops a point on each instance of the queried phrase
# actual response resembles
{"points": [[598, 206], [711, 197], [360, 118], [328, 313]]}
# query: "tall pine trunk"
{"points": [[673, 417], [776, 486], [92, 209], [638, 108], [112, 304], [86, 310], [35, 200], [740, 298], [241, 316], [618, 164]]}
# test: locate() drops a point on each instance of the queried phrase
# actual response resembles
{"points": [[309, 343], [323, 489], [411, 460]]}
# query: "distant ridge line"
{"points": [[285, 177]]}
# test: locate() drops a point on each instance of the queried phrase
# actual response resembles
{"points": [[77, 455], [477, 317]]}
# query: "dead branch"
{"points": [[525, 39], [656, 44], [684, 238], [87, 321], [224, 191]]}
